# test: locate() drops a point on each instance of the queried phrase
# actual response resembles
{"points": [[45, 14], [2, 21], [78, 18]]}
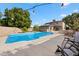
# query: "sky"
{"points": [[45, 13]]}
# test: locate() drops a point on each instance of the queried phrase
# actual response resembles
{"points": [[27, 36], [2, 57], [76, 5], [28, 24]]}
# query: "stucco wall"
{"points": [[63, 25], [43, 28], [8, 30]]}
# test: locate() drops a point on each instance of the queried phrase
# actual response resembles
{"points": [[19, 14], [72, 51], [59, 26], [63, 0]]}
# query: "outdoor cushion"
{"points": [[74, 50], [69, 52], [77, 36]]}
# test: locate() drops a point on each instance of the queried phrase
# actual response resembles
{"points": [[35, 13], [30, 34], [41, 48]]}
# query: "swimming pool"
{"points": [[26, 36]]}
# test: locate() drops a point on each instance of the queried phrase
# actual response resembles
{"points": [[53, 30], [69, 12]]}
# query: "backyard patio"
{"points": [[47, 48]]}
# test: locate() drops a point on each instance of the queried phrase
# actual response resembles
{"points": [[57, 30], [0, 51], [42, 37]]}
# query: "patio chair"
{"points": [[76, 39], [70, 47], [72, 51], [68, 35], [66, 44]]}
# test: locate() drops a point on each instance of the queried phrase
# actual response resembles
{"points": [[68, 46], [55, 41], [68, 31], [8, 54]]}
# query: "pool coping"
{"points": [[25, 44]]}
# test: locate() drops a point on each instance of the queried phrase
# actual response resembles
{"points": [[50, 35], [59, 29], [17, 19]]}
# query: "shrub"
{"points": [[36, 28], [24, 29]]}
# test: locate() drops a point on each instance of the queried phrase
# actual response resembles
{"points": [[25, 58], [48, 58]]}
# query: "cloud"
{"points": [[66, 4], [44, 19], [63, 15], [76, 10]]}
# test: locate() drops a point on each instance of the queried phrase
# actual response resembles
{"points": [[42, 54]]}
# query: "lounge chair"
{"points": [[69, 47]]}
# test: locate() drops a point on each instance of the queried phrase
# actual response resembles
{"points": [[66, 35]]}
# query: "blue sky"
{"points": [[45, 13]]}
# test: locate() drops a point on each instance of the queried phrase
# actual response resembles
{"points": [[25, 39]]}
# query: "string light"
{"points": [[41, 5]]}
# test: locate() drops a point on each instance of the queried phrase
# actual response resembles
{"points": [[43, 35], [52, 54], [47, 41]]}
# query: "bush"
{"points": [[24, 29], [36, 28]]}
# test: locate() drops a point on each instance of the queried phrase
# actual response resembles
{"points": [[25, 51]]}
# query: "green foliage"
{"points": [[16, 17], [24, 29], [0, 23], [0, 18], [36, 28], [72, 21], [0, 15]]}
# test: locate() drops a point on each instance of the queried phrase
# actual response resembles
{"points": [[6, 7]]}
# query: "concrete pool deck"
{"points": [[44, 46]]}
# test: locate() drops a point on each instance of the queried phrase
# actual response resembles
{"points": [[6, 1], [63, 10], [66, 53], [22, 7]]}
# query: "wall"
{"points": [[8, 30], [43, 28]]}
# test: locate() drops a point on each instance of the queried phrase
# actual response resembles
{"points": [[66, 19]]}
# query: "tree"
{"points": [[0, 18], [36, 28], [0, 15], [16, 17], [72, 21]]}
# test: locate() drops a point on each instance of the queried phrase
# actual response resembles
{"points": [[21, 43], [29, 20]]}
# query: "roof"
{"points": [[53, 22], [49, 23], [45, 25]]}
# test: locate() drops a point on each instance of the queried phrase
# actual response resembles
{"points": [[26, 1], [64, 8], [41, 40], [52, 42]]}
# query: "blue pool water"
{"points": [[26, 36]]}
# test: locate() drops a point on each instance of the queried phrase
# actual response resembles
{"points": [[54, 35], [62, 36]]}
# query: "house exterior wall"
{"points": [[54, 26], [51, 29], [43, 28], [63, 26], [58, 25]]}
